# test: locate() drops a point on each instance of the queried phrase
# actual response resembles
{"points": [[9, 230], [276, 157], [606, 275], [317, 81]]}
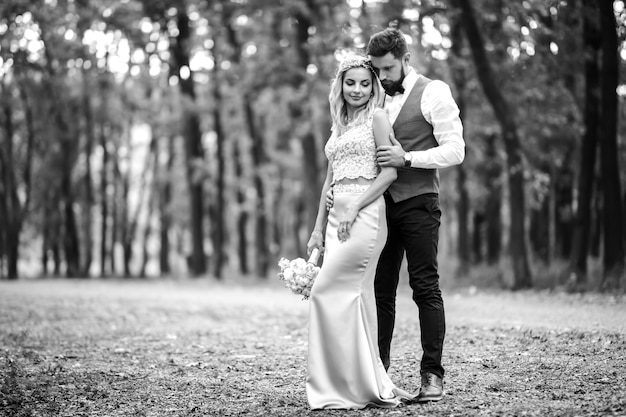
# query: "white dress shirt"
{"points": [[441, 111]]}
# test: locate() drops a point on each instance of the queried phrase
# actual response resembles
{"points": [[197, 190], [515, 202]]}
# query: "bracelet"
{"points": [[317, 233]]}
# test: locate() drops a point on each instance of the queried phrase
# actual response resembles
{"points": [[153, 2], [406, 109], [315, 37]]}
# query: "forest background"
{"points": [[169, 138]]}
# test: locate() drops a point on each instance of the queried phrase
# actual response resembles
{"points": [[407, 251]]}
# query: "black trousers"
{"points": [[413, 228]]}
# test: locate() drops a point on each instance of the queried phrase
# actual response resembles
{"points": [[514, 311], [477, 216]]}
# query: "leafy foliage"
{"points": [[80, 79]]}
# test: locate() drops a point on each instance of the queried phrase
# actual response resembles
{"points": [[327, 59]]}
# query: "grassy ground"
{"points": [[199, 348]]}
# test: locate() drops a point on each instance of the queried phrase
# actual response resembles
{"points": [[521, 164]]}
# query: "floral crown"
{"points": [[354, 61]]}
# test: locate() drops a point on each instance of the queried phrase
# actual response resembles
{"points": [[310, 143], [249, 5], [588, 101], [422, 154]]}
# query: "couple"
{"points": [[383, 199]]}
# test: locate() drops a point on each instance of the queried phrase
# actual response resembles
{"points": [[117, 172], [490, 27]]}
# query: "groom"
{"points": [[429, 135]]}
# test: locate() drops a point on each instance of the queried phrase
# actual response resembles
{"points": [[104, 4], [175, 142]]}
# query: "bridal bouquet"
{"points": [[299, 274]]}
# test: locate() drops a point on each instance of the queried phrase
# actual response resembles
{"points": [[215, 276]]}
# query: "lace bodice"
{"points": [[353, 153]]}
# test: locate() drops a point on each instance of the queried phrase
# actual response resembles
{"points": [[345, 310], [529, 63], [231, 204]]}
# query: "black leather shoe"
{"points": [[432, 388]]}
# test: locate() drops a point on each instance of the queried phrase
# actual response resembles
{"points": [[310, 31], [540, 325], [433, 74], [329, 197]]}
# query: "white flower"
{"points": [[298, 275], [299, 264], [289, 274], [283, 263]]}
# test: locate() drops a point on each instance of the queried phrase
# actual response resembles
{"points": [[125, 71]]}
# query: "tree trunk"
{"points": [[493, 206], [312, 170], [311, 178], [70, 234], [478, 221], [30, 150], [146, 238], [148, 229], [540, 229], [104, 197], [51, 232], [115, 220], [68, 140], [277, 204], [126, 219], [193, 141], [3, 217], [463, 208], [459, 78], [12, 242], [596, 219], [258, 160], [614, 253], [242, 214], [238, 151], [11, 207], [517, 241], [563, 211], [44, 256], [132, 220], [89, 192], [56, 256], [219, 226], [299, 222], [165, 217]]}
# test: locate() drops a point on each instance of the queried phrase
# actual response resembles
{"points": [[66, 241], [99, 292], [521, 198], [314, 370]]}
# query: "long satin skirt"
{"points": [[344, 366]]}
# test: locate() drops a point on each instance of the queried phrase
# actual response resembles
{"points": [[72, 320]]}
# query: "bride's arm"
{"points": [[317, 236], [387, 175]]}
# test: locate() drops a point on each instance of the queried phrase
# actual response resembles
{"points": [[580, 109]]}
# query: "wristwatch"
{"points": [[407, 160]]}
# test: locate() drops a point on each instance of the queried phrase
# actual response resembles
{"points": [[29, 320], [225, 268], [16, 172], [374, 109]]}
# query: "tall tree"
{"points": [[17, 159], [11, 207], [104, 129], [89, 199], [179, 67], [67, 134], [459, 78], [164, 147], [219, 227], [515, 165], [493, 205], [86, 15], [313, 18], [614, 253], [243, 214], [165, 218]]}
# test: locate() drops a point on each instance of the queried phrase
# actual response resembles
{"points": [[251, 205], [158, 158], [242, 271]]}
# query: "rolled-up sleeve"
{"points": [[442, 112]]}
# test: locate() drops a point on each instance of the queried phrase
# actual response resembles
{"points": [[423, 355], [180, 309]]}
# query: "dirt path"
{"points": [[198, 348]]}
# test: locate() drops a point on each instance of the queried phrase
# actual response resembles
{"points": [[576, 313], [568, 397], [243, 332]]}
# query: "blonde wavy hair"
{"points": [[338, 107]]}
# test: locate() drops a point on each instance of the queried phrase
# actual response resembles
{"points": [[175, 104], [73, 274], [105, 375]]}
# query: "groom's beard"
{"points": [[392, 87]]}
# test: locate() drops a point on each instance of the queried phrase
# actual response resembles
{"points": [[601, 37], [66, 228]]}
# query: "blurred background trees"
{"points": [[185, 137]]}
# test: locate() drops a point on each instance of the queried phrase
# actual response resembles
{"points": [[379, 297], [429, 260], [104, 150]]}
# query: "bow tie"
{"points": [[395, 90]]}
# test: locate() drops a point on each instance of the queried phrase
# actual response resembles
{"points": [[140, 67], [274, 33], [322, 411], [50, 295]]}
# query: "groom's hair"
{"points": [[385, 41]]}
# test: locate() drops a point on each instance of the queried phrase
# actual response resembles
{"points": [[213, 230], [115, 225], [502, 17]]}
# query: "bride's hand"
{"points": [[315, 241], [346, 222], [330, 198]]}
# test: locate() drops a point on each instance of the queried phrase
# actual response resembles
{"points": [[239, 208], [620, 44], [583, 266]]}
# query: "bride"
{"points": [[344, 366]]}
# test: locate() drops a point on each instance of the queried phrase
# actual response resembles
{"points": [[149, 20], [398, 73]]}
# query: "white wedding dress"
{"points": [[344, 366]]}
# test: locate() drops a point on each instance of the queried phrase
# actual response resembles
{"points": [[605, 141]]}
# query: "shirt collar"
{"points": [[410, 80]]}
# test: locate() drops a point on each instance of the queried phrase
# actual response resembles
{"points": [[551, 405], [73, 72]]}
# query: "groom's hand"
{"points": [[390, 155]]}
